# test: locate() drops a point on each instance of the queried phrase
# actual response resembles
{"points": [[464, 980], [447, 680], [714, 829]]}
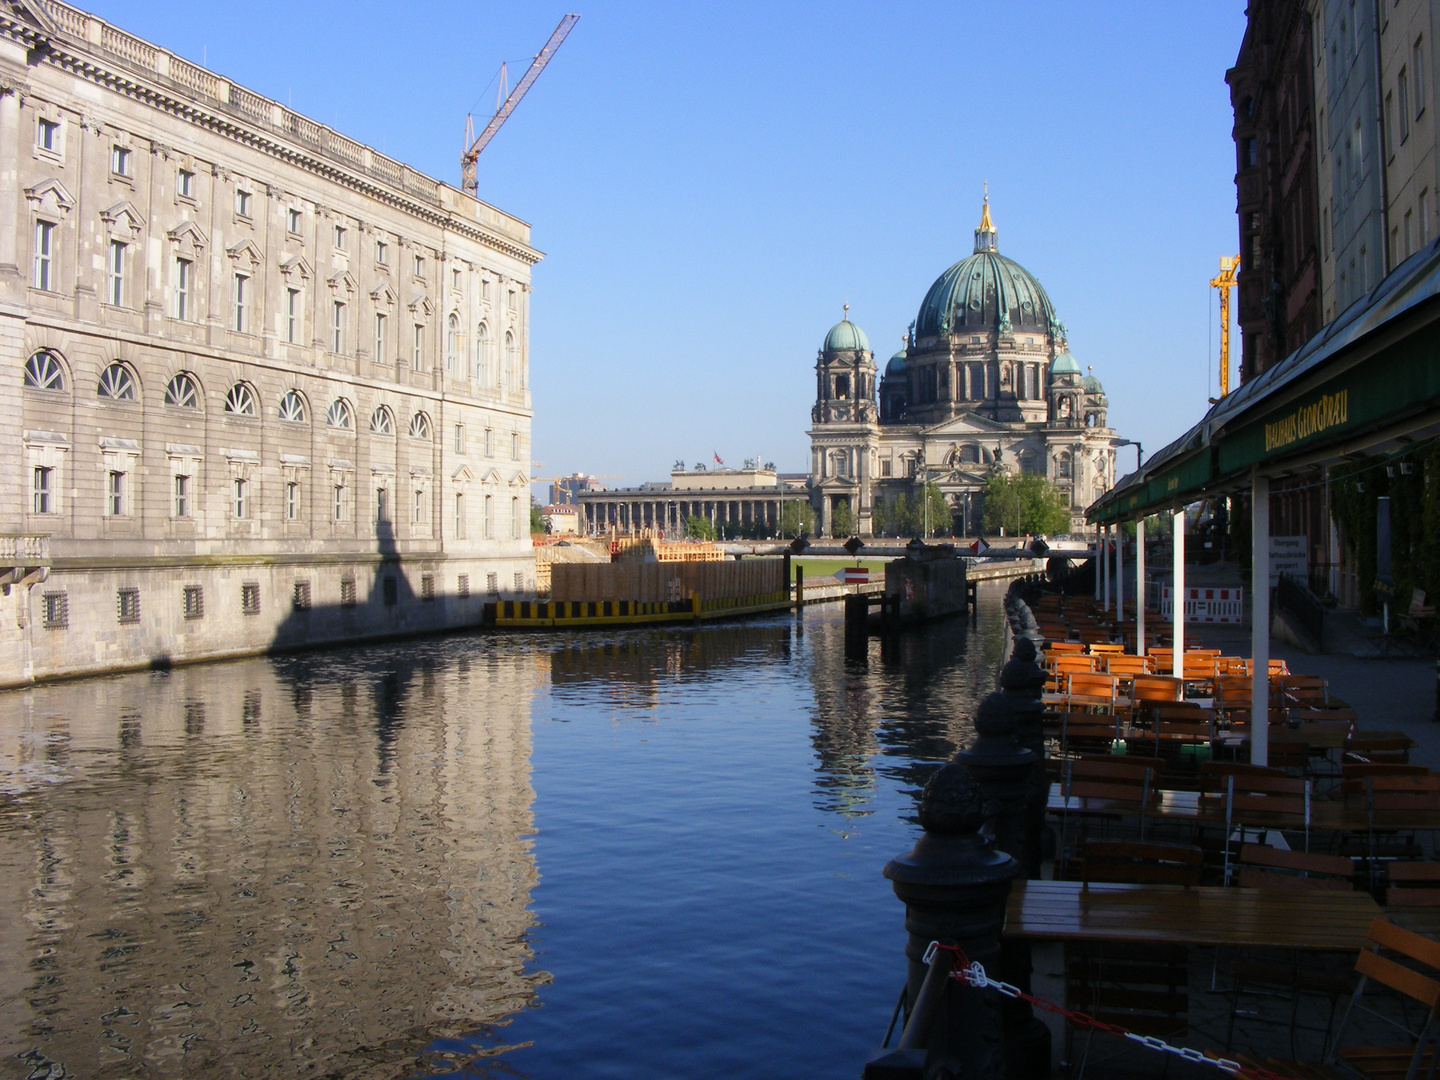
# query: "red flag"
{"points": [[716, 457]]}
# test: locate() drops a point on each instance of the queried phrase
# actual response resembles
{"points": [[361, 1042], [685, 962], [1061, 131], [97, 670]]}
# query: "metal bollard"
{"points": [[954, 885]]}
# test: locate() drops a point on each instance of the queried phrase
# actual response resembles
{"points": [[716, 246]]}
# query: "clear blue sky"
{"points": [[710, 182]]}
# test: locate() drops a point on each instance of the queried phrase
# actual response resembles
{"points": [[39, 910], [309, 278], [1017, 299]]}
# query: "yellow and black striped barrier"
{"points": [[580, 614]]}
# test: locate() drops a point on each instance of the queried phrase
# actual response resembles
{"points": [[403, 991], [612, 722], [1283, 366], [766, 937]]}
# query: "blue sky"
{"points": [[710, 182]]}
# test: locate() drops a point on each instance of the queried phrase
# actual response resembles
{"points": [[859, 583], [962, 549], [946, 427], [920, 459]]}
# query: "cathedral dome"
{"points": [[896, 366], [985, 291], [846, 335], [1064, 364], [1092, 385]]}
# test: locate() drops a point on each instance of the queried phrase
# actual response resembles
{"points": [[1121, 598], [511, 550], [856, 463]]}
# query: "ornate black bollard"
{"points": [[954, 885], [1022, 681]]}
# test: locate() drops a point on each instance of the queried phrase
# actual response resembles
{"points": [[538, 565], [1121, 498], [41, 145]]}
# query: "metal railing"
{"points": [[1295, 598]]}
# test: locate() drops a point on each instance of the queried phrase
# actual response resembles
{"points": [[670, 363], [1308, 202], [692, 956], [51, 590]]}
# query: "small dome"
{"points": [[1090, 383], [1064, 364], [846, 335], [896, 366]]}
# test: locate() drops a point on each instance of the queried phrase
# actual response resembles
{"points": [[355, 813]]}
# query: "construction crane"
{"points": [[1225, 281], [505, 105]]}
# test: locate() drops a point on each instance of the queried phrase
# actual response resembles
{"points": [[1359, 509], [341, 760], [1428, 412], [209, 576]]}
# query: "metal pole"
{"points": [[1260, 619], [1120, 573], [1105, 565], [1097, 563], [1177, 590], [1140, 587]]}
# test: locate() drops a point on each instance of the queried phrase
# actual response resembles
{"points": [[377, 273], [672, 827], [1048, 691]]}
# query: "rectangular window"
{"points": [[462, 585], [1390, 125], [455, 279], [292, 316], [242, 202], [337, 327], [250, 598], [489, 443], [116, 293], [382, 252], [427, 586], [44, 254], [119, 160], [292, 221], [512, 300], [382, 506], [1402, 91], [1409, 233], [300, 597], [379, 338], [459, 516], [194, 602], [515, 519], [56, 613], [417, 514], [492, 584], [885, 466], [42, 480], [127, 605], [347, 592], [1417, 74], [1424, 217], [240, 490], [519, 580], [47, 134], [459, 438], [1249, 153], [115, 494], [181, 505], [183, 268], [417, 351], [514, 446], [489, 522], [185, 183], [340, 237], [419, 265], [242, 300], [390, 592], [338, 510], [292, 501], [485, 289]]}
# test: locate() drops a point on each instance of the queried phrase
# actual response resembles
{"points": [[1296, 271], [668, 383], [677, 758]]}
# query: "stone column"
{"points": [[10, 177]]}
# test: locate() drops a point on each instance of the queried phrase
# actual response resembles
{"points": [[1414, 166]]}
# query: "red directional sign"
{"points": [[979, 546], [853, 575]]}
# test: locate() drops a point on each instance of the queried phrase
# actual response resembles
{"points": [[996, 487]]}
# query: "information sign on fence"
{"points": [[1206, 605], [1289, 555]]}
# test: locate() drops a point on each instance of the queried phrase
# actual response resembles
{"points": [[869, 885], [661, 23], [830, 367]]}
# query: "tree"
{"points": [[537, 519], [699, 528], [796, 519], [941, 516], [894, 517], [842, 521], [1027, 503]]}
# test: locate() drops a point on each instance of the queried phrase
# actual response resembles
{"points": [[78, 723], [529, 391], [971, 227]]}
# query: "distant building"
{"points": [[561, 520], [563, 492], [263, 385], [735, 500], [984, 383]]}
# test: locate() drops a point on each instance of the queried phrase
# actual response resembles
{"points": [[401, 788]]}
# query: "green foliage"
{"points": [[1027, 503], [699, 528], [842, 521], [537, 519], [892, 517], [941, 517], [796, 519], [901, 516], [1414, 521]]}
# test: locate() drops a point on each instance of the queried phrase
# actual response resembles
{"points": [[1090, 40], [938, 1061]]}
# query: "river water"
{"points": [[629, 854]]}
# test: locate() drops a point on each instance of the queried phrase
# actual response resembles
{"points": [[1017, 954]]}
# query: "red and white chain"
{"points": [[973, 972]]}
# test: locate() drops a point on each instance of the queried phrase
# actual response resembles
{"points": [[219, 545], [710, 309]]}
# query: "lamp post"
{"points": [[1139, 450]]}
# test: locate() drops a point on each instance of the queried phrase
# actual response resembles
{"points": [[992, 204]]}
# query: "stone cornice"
{"points": [[64, 51]]}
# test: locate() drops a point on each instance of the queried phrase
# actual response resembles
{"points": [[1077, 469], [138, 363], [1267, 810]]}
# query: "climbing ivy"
{"points": [[1355, 491]]}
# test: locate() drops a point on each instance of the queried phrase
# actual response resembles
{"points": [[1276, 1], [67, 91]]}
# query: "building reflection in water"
{"points": [[303, 865]]}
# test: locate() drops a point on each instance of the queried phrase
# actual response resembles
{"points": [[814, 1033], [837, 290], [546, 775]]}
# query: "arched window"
{"points": [[292, 407], [420, 426], [116, 382], [240, 400], [508, 376], [339, 415], [43, 372], [381, 422], [182, 392], [452, 342], [482, 353], [970, 454]]}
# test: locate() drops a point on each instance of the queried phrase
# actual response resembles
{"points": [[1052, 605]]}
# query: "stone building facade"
{"points": [[261, 385], [749, 500], [983, 382]]}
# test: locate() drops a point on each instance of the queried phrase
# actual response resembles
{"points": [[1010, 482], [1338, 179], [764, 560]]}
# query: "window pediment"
{"points": [[297, 266], [188, 238], [246, 251], [384, 295], [343, 281], [123, 220], [462, 475], [423, 306], [50, 196]]}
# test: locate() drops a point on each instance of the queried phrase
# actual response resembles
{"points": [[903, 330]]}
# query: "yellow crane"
{"points": [[1225, 281]]}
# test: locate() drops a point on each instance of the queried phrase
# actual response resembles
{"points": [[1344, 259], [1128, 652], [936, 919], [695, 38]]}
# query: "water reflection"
{"points": [[323, 864]]}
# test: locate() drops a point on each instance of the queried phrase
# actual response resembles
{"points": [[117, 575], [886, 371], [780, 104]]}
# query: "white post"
{"points": [[1140, 587], [1098, 537], [1105, 564], [1260, 619], [1177, 591], [1119, 572]]}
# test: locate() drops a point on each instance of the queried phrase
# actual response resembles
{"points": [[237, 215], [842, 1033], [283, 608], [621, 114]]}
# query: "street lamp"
{"points": [[1139, 451]]}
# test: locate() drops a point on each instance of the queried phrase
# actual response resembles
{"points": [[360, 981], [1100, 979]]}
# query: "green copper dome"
{"points": [[986, 292], [1064, 364], [846, 335], [896, 366], [1092, 384]]}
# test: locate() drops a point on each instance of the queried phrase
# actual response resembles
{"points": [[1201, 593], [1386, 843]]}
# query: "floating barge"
{"points": [[642, 593]]}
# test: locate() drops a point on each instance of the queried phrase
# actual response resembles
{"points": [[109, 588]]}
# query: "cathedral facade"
{"points": [[984, 382]]}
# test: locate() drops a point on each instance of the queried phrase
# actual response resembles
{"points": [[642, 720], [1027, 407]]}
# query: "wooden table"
{"points": [[1190, 915]]}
